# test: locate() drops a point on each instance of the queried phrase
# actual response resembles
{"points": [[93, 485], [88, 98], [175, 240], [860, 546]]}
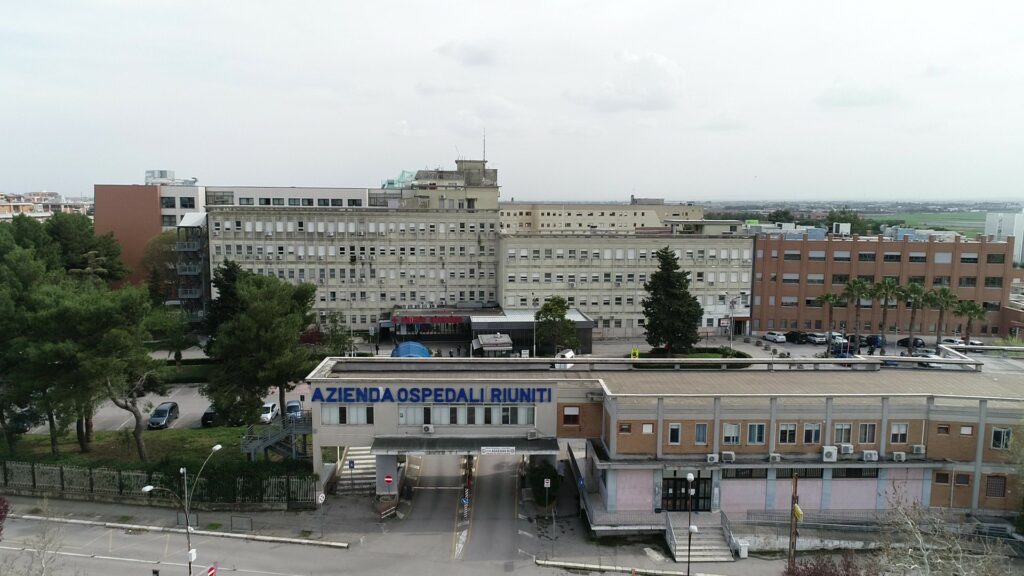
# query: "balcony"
{"points": [[191, 269], [186, 246], [190, 293]]}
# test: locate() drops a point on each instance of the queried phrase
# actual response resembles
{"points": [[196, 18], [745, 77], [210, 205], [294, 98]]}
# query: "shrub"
{"points": [[538, 473]]}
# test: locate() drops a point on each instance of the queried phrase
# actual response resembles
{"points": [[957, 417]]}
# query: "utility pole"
{"points": [[792, 524]]}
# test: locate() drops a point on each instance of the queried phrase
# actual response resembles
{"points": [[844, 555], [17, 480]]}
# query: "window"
{"points": [[969, 258], [993, 281], [787, 433], [943, 429], [187, 202], [995, 487], [898, 434], [700, 434], [369, 414], [963, 479], [1001, 438], [647, 428], [942, 477], [625, 428], [892, 257], [744, 473], [675, 432], [840, 278], [866, 256], [968, 282], [730, 434], [844, 433], [855, 472], [170, 220], [755, 433], [571, 416], [803, 472], [245, 201], [967, 430], [866, 434], [812, 433], [940, 281], [167, 202], [995, 258], [917, 257], [791, 255]]}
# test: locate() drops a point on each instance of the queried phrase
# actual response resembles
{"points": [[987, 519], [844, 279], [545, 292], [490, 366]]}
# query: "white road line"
{"points": [[144, 561], [125, 423], [525, 533]]}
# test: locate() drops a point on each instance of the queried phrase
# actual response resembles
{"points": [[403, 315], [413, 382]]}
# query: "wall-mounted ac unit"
{"points": [[428, 428], [278, 256], [899, 456], [320, 257], [532, 435], [871, 455], [572, 284], [775, 457], [919, 449], [829, 453], [712, 458], [412, 280], [728, 456], [846, 448], [330, 234], [301, 257]]}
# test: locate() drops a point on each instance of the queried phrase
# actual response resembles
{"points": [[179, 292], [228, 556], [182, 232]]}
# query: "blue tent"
{"points": [[411, 350]]}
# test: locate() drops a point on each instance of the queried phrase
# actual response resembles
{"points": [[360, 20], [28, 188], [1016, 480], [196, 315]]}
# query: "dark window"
{"points": [[323, 202], [337, 202], [995, 258], [943, 429], [963, 479], [471, 415], [916, 280], [968, 258], [745, 473], [995, 487], [488, 418], [940, 281], [167, 202], [968, 282], [942, 477], [355, 202], [369, 414], [866, 256], [453, 414], [892, 257], [571, 416], [187, 202], [245, 201], [342, 415], [917, 258], [278, 202], [803, 472], [840, 278], [264, 201], [625, 428], [307, 201], [855, 472], [790, 255], [293, 201], [426, 414], [993, 282], [170, 220]]}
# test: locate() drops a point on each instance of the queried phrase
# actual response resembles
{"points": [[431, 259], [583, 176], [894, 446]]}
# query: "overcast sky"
{"points": [[580, 100]]}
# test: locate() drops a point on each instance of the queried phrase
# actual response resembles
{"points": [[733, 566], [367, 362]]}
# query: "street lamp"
{"points": [[691, 530], [185, 502]]}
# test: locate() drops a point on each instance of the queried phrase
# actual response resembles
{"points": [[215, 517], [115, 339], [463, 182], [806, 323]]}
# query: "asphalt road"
{"points": [[493, 532], [427, 531]]}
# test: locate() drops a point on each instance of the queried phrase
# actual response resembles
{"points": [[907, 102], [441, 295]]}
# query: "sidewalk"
{"points": [[345, 518]]}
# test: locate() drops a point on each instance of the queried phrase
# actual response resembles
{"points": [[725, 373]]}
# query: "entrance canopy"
{"points": [[391, 445]]}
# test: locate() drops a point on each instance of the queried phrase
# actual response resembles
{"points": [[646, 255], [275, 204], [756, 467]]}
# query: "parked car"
{"points": [[209, 417], [796, 337], [928, 364], [269, 412], [875, 340], [293, 410], [837, 338], [164, 415], [778, 337], [903, 342], [817, 338]]}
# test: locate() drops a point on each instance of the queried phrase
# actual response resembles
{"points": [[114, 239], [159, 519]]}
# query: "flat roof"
{"points": [[689, 383], [525, 316], [460, 444]]}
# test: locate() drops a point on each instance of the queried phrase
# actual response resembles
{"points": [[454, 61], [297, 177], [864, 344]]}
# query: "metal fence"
{"points": [[77, 481]]}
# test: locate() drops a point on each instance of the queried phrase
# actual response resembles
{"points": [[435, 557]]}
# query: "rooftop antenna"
{"points": [[458, 155], [485, 144]]}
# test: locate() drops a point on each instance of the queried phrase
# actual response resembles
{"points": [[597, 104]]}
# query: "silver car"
{"points": [[164, 415]]}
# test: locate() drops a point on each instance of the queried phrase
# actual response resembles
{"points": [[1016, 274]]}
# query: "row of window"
{"points": [[626, 253], [350, 227], [891, 256], [335, 202], [818, 324], [807, 473], [842, 279], [353, 252], [995, 485], [170, 202], [435, 414]]}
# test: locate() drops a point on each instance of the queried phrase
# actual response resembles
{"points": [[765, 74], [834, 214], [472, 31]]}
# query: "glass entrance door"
{"points": [[674, 496]]}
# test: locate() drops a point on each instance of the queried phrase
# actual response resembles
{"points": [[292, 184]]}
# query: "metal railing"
{"points": [[670, 534], [727, 531], [189, 269], [189, 292], [186, 246], [258, 438]]}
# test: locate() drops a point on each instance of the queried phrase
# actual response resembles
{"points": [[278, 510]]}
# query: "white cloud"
{"points": [[851, 96], [468, 53], [647, 82]]}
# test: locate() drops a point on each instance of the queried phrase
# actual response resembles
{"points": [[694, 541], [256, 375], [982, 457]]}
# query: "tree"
{"points": [[829, 301], [915, 296], [971, 311], [171, 328], [884, 292], [673, 314], [825, 565], [160, 260], [81, 249], [944, 300], [226, 305], [857, 224], [781, 215], [259, 347], [554, 330], [335, 337], [855, 291]]}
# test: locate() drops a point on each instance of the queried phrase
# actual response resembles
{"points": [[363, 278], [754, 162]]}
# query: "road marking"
{"points": [[141, 561], [525, 533], [437, 487], [125, 423]]}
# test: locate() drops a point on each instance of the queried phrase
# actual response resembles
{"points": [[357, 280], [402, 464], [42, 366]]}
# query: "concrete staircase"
{"points": [[361, 480], [707, 545]]}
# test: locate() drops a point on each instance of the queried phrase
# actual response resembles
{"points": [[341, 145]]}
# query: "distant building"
{"points": [[1001, 225]]}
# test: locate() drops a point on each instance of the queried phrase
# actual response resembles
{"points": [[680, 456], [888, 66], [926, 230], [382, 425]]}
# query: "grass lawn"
{"points": [[117, 449]]}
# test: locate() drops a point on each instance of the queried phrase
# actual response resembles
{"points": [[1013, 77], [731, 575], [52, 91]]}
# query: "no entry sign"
{"points": [[388, 479]]}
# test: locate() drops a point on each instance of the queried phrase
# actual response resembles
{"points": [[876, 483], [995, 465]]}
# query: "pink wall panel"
{"points": [[738, 496], [854, 494], [809, 491], [904, 485], [634, 490]]}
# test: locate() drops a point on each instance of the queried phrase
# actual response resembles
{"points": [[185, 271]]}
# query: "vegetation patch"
{"points": [[721, 352]]}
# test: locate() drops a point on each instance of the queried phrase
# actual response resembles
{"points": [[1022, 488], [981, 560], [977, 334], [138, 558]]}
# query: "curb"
{"points": [[119, 526], [609, 568]]}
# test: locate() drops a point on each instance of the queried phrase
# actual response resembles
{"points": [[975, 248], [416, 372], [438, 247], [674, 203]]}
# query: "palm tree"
{"points": [[971, 311], [942, 299], [828, 300], [884, 292], [855, 291], [915, 296]]}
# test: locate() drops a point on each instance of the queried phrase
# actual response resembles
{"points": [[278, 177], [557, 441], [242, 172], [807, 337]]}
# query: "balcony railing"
{"points": [[186, 246], [189, 269], [189, 293]]}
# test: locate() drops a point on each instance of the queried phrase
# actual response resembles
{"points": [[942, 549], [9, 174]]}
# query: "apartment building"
{"points": [[1003, 225], [565, 218], [791, 272], [604, 275]]}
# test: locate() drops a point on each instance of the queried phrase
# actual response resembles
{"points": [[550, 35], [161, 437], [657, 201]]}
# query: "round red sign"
{"points": [[388, 479]]}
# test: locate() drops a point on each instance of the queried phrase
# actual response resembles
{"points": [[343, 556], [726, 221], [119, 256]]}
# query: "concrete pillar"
{"points": [[717, 425], [659, 478], [883, 434], [318, 458], [769, 490], [660, 431], [387, 464], [611, 489], [613, 427], [826, 488], [773, 404], [979, 452], [881, 489], [828, 423]]}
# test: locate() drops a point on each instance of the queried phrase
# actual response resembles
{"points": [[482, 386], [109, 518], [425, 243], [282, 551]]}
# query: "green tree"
{"points": [[81, 249], [855, 291], [673, 314], [829, 301], [160, 261], [944, 300], [782, 215], [554, 331], [884, 292], [971, 311], [259, 347], [227, 303], [857, 224], [335, 336], [171, 328], [915, 295]]}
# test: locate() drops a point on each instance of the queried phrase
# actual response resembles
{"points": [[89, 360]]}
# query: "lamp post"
{"points": [[691, 529], [186, 502]]}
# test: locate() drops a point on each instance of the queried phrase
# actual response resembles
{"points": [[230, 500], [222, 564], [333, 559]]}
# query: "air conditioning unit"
{"points": [[712, 458], [362, 233], [381, 280], [846, 448], [428, 428], [572, 284], [618, 284], [412, 280], [301, 257], [330, 234], [270, 256], [728, 456], [269, 234], [373, 257], [278, 256], [899, 456], [320, 257], [363, 257], [829, 453], [871, 455], [775, 457], [919, 449], [442, 257], [532, 435], [362, 279], [444, 281]]}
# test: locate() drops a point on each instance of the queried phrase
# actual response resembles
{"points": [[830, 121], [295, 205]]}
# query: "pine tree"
{"points": [[673, 314]]}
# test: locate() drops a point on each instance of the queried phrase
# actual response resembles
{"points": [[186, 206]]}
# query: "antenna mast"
{"points": [[485, 144]]}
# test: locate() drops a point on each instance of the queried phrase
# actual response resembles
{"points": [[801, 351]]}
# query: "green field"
{"points": [[967, 223]]}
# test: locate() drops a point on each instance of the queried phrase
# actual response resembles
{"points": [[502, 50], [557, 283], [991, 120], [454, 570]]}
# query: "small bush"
{"points": [[538, 473]]}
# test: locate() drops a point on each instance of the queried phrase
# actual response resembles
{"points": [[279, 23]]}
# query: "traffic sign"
{"points": [[388, 479], [320, 498], [503, 450], [212, 570], [351, 464], [547, 482], [581, 481], [465, 501]]}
